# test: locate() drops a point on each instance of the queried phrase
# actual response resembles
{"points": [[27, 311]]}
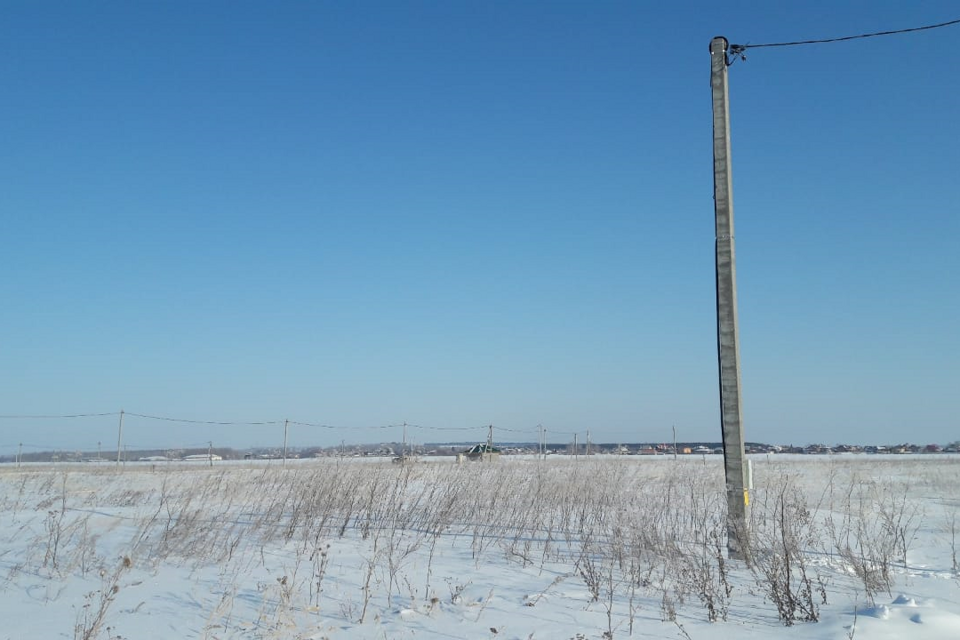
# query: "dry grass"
{"points": [[629, 530]]}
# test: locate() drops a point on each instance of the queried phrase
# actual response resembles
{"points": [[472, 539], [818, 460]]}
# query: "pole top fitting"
{"points": [[723, 42]]}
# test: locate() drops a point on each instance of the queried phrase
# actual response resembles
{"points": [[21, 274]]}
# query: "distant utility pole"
{"points": [[119, 437], [738, 498], [286, 424]]}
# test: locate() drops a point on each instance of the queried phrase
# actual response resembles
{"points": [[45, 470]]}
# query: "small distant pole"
{"points": [[544, 443], [19, 454], [119, 437], [588, 442], [576, 447], [98, 451], [210, 452], [728, 348], [674, 427], [285, 424]]}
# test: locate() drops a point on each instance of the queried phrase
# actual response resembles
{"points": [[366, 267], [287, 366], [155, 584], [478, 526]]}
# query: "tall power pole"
{"points": [[728, 335]]}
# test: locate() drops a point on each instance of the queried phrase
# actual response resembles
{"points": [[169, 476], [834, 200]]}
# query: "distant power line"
{"points": [[215, 422], [314, 425], [53, 417], [737, 50]]}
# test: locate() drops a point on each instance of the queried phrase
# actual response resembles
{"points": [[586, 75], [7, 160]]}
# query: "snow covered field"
{"points": [[842, 546]]}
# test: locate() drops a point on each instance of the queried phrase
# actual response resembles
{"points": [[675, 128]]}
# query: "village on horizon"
{"points": [[400, 452]]}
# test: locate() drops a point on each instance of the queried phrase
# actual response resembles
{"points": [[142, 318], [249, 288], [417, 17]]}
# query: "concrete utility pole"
{"points": [[119, 437], [728, 338], [286, 424]]}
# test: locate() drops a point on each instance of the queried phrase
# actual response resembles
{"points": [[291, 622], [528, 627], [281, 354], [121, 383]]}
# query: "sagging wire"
{"points": [[737, 50]]}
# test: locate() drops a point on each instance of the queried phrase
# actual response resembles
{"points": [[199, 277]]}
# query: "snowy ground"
{"points": [[844, 547]]}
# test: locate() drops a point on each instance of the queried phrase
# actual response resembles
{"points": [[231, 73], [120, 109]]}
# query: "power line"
{"points": [[314, 425], [51, 417], [216, 422], [417, 426], [25, 445], [186, 421], [158, 447], [737, 50], [530, 430]]}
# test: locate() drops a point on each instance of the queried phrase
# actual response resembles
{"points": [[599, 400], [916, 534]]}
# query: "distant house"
{"points": [[480, 453], [202, 457]]}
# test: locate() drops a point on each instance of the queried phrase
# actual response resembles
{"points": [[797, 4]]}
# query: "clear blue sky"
{"points": [[462, 213]]}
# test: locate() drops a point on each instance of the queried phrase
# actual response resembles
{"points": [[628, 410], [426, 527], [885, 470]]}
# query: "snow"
{"points": [[517, 549]]}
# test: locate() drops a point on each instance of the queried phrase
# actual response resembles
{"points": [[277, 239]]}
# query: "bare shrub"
{"points": [[873, 532], [91, 616], [782, 539], [950, 528]]}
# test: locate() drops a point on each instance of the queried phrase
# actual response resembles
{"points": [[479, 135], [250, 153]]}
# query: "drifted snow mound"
{"points": [[900, 618], [881, 611]]}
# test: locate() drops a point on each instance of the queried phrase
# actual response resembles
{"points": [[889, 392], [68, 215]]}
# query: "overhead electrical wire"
{"points": [[314, 425], [186, 421], [737, 50], [52, 417]]}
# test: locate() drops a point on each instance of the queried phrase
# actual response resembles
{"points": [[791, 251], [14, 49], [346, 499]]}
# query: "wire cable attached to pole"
{"points": [[737, 50]]}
